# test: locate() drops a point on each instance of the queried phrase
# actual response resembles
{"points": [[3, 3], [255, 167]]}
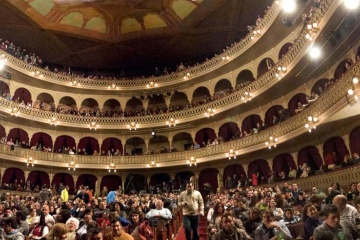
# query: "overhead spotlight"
{"points": [[315, 52], [352, 4], [286, 22], [288, 5]]}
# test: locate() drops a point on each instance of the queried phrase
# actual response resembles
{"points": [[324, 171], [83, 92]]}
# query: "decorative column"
{"points": [[346, 138], [321, 150], [220, 178], [145, 103]]}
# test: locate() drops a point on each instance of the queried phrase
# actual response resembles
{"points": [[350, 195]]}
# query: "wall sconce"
{"points": [[132, 126], [311, 124], [225, 58], [151, 85], [72, 165], [271, 142], [187, 76], [280, 72], [191, 161], [14, 111], [255, 33], [37, 74], [93, 125], [247, 97], [311, 28], [171, 122], [111, 167], [231, 154], [53, 121], [3, 61], [113, 87], [74, 83], [30, 162], [209, 112], [152, 164]]}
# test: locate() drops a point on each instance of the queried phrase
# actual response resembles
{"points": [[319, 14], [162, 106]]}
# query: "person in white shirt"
{"points": [[159, 213]]}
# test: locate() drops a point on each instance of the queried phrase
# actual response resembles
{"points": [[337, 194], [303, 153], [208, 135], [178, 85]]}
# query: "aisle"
{"points": [[202, 230]]}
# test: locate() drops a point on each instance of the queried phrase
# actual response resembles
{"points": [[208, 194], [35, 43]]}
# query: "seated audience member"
{"points": [[311, 220], [343, 230], [10, 231], [229, 231], [254, 221], [117, 232], [72, 224], [290, 217], [159, 213], [136, 218], [346, 162], [40, 230], [356, 158], [270, 228], [347, 212], [292, 172]]}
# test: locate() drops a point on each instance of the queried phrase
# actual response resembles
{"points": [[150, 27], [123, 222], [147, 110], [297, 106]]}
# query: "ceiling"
{"points": [[131, 35]]}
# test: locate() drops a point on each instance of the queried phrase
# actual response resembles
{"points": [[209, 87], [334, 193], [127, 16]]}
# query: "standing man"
{"points": [[192, 205], [65, 194]]}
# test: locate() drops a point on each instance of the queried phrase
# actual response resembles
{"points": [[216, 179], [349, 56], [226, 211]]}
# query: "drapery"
{"points": [[284, 49], [228, 130], [2, 131], [159, 178], [233, 169], [111, 143], [18, 135], [41, 138], [250, 122], [112, 182], [181, 178], [320, 83], [12, 174], [64, 141], [341, 69], [4, 88], [66, 179], [282, 163], [203, 135], [23, 95], [293, 103], [273, 111], [208, 175], [86, 180], [337, 145], [355, 140], [90, 144], [38, 178], [311, 156], [260, 166]]}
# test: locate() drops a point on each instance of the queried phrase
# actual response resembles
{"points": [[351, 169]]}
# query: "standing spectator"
{"points": [[65, 194], [45, 194], [254, 178]]}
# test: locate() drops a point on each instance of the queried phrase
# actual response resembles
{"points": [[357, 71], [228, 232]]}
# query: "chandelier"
{"points": [[191, 161], [53, 121], [171, 122], [93, 125], [271, 142], [14, 111], [280, 72], [225, 58], [111, 167], [311, 123], [72, 165], [151, 85], [74, 82], [113, 86], [231, 154], [152, 164], [132, 126], [247, 96], [210, 112], [30, 162]]}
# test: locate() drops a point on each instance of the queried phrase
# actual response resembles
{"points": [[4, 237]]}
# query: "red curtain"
{"points": [[90, 144], [320, 83], [2, 131], [228, 130], [293, 103], [111, 143], [64, 141], [112, 182], [337, 145], [208, 175], [22, 94], [311, 156], [282, 163], [273, 111], [86, 180], [355, 140], [203, 135], [250, 122], [159, 178], [12, 174], [261, 166], [233, 169], [38, 178], [18, 135], [66, 179], [181, 178], [341, 69], [41, 138], [4, 88]]}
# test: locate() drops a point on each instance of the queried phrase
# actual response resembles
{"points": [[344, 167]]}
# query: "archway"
{"points": [[135, 182], [282, 163], [260, 166], [41, 140], [311, 156], [264, 66], [272, 115], [205, 136], [112, 144], [112, 182], [229, 131], [88, 146], [64, 178], [135, 146], [13, 176], [86, 180], [210, 176], [244, 78], [38, 178], [182, 141]]}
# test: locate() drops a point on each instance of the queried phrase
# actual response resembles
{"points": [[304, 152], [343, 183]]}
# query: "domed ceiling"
{"points": [[132, 35]]}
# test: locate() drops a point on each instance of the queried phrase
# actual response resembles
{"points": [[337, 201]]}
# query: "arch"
{"points": [[4, 89], [272, 115], [112, 182], [22, 94], [135, 182], [244, 77], [223, 85], [89, 105], [262, 167], [157, 179], [282, 163], [89, 144], [159, 144], [342, 68], [13, 175], [234, 169], [311, 156], [200, 95], [208, 175], [133, 106], [265, 65], [355, 140], [86, 180], [284, 49], [67, 103], [250, 122], [111, 105], [46, 100], [63, 143], [179, 100], [204, 135], [135, 146], [335, 146], [66, 179], [112, 144], [229, 131], [2, 131], [293, 102], [38, 178], [157, 104], [181, 178], [42, 140], [182, 141], [320, 86], [18, 135]]}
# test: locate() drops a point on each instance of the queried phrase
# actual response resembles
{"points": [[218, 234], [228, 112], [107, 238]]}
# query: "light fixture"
{"points": [[280, 72], [152, 164], [111, 167], [191, 161], [271, 142], [14, 111], [132, 126], [74, 82], [225, 58], [72, 165], [37, 74], [247, 96], [255, 33], [315, 52], [231, 154], [288, 5], [3, 60], [355, 80], [187, 76], [171, 122], [209, 112], [311, 28], [53, 121], [93, 125], [311, 123], [151, 85], [30, 162], [113, 86], [352, 4]]}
